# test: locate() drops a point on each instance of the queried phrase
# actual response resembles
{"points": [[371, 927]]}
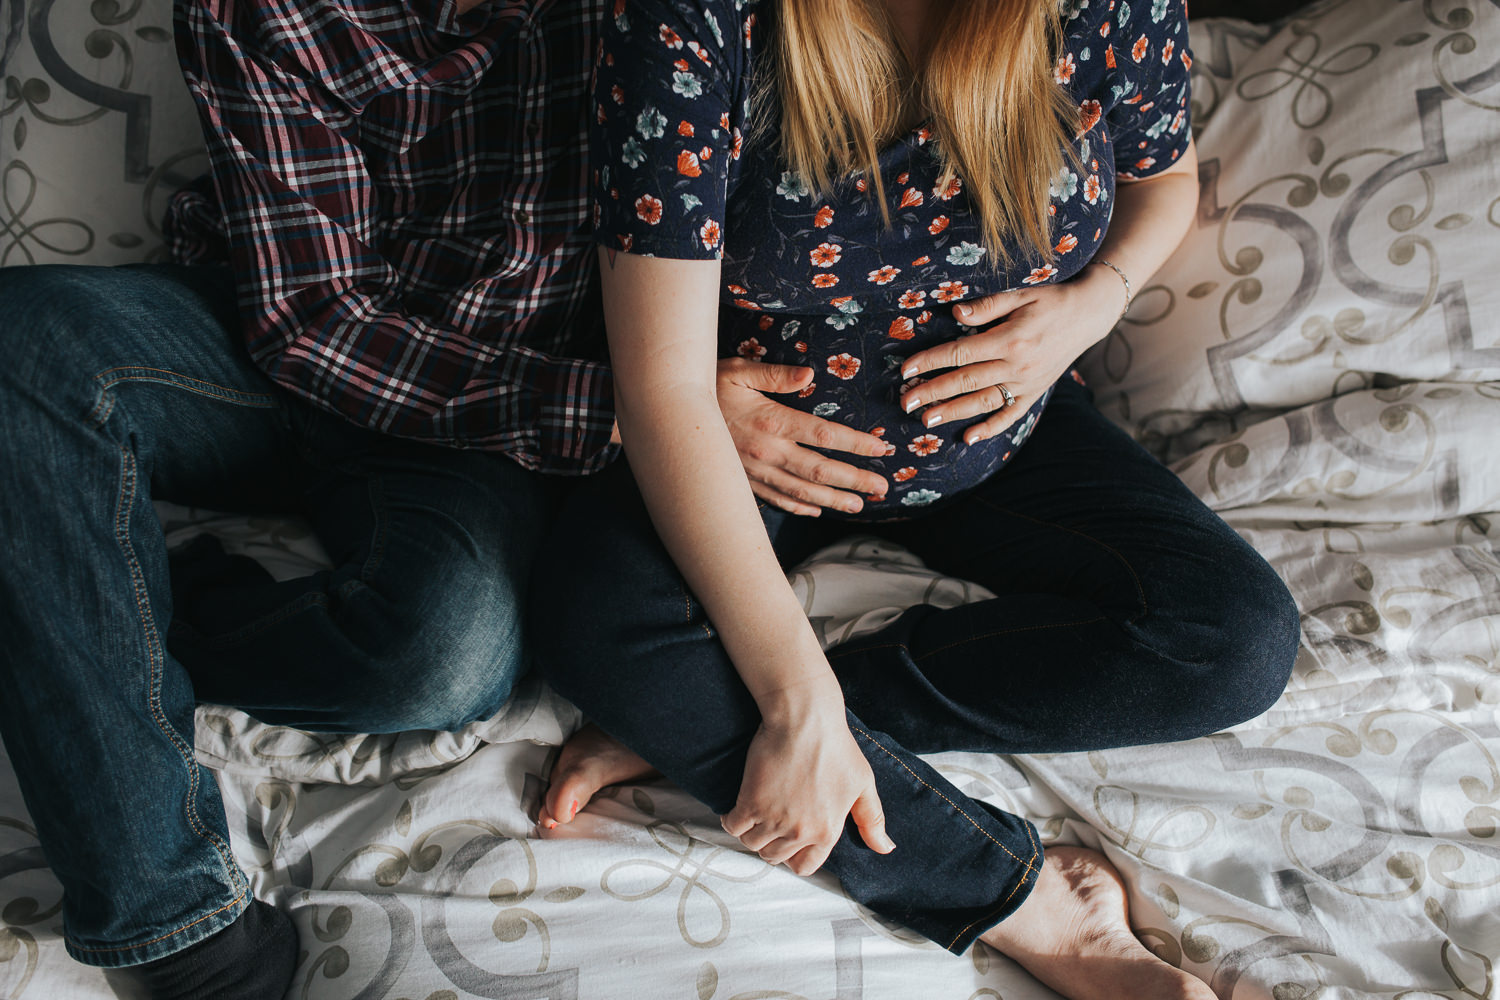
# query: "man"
{"points": [[382, 316]]}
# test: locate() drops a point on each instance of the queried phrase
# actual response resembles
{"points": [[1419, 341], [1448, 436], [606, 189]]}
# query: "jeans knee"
{"points": [[1231, 673], [441, 672]]}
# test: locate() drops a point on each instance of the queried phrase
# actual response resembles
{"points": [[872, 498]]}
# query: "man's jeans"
{"points": [[118, 386], [1127, 613]]}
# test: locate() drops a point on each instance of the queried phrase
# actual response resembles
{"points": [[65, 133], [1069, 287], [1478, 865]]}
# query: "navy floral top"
{"points": [[822, 281]]}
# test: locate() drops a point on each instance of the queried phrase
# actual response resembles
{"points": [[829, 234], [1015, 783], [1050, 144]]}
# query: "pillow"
{"points": [[96, 131], [1347, 230]]}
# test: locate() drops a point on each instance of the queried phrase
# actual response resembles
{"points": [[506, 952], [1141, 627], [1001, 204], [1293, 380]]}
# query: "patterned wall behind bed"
{"points": [[96, 130]]}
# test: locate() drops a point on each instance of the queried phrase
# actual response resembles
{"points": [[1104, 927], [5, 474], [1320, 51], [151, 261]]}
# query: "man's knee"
{"points": [[438, 670]]}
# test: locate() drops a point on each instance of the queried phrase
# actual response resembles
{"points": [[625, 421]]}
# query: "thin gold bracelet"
{"points": [[1116, 269]]}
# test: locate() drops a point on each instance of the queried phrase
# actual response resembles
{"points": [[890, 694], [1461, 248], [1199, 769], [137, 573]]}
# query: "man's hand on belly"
{"points": [[772, 440]]}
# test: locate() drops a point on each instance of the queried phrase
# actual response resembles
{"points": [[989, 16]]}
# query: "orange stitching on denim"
{"points": [[945, 798], [155, 653], [179, 379], [1014, 889], [142, 944], [1140, 589]]}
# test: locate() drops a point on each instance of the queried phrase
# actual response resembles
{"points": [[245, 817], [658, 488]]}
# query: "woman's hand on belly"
{"points": [[772, 440], [1037, 334]]}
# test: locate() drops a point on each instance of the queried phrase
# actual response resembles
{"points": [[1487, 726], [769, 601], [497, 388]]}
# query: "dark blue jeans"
{"points": [[120, 385], [1126, 613]]}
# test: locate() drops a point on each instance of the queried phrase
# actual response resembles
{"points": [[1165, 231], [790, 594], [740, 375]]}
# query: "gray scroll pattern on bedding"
{"points": [[80, 79], [1319, 362]]}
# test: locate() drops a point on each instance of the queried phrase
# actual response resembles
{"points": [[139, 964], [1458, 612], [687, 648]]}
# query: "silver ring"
{"points": [[1010, 399]]}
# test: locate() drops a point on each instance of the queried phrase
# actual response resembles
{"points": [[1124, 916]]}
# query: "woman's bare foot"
{"points": [[1072, 933], [590, 760]]}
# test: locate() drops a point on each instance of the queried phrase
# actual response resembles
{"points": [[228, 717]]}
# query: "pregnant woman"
{"points": [[916, 202]]}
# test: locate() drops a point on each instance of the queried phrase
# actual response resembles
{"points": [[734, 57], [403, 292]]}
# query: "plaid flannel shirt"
{"points": [[402, 194]]}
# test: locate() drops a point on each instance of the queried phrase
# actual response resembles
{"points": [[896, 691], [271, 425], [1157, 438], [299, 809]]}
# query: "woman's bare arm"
{"points": [[805, 773]]}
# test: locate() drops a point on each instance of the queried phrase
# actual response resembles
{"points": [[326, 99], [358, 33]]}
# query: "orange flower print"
{"points": [[669, 38], [1187, 60], [924, 259], [904, 475], [685, 128], [1145, 163], [627, 242], [1109, 56], [1104, 30], [923, 317], [700, 52], [845, 366], [910, 198], [839, 300], [902, 328], [824, 218], [1140, 48], [1092, 189], [648, 209], [687, 164], [724, 120], [825, 280], [737, 145], [616, 94], [902, 178], [804, 393], [825, 254], [912, 299], [738, 289], [766, 322], [800, 346], [877, 432], [751, 349], [1167, 50], [1066, 244], [1064, 70], [924, 135], [745, 304], [884, 275], [947, 191], [937, 225], [705, 153], [950, 291], [709, 233], [1039, 275], [861, 185], [1089, 113], [926, 444], [681, 65]]}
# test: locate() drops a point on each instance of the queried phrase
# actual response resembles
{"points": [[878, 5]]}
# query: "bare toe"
{"points": [[1073, 933], [589, 761]]}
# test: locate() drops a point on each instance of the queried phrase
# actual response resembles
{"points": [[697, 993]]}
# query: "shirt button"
{"points": [[521, 216]]}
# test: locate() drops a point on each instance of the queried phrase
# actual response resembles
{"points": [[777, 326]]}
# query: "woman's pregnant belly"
{"points": [[857, 381]]}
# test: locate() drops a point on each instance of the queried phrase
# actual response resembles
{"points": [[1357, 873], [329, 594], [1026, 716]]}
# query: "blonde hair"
{"points": [[845, 87]]}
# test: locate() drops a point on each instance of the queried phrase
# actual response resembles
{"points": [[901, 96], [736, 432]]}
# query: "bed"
{"points": [[1320, 361]]}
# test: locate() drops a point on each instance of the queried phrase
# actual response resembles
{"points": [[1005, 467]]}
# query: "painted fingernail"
{"points": [[933, 419], [550, 824], [964, 311], [913, 403], [573, 809], [910, 371]]}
